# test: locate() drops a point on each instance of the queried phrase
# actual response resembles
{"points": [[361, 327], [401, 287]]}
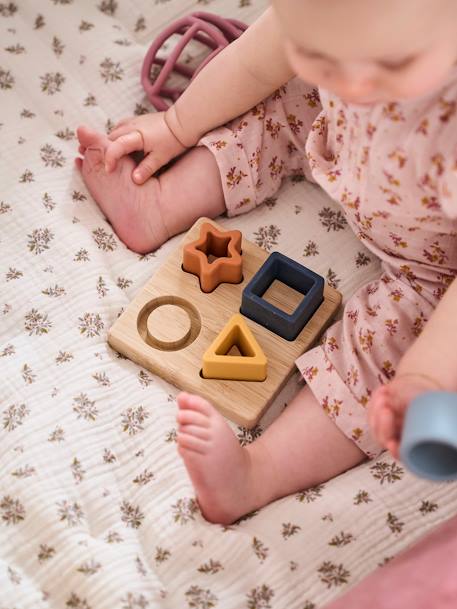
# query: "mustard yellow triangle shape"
{"points": [[251, 366]]}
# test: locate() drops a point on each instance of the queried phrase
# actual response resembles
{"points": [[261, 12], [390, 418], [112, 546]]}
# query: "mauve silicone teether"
{"points": [[211, 30]]}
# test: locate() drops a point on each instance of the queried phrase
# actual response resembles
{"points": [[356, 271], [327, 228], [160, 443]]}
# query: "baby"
{"points": [[376, 128]]}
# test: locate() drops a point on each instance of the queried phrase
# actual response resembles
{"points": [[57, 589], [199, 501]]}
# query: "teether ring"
{"points": [[213, 31]]}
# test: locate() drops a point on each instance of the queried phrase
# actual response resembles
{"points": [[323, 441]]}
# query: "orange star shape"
{"points": [[215, 257]]}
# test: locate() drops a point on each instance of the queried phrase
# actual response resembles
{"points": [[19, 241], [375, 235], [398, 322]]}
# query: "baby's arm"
{"points": [[242, 75], [430, 364]]}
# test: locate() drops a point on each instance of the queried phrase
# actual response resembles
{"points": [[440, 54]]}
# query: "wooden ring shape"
{"points": [[169, 323]]}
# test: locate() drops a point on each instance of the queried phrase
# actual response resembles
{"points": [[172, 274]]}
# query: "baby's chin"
{"points": [[372, 101], [360, 101], [415, 92]]}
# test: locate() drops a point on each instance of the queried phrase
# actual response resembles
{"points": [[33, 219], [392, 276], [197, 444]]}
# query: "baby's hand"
{"points": [[388, 405], [149, 133]]}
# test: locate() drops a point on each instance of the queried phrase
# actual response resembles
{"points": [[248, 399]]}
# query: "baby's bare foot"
{"points": [[219, 468], [133, 210], [388, 405]]}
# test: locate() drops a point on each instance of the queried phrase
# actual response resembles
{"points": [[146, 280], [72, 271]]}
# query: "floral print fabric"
{"points": [[392, 167]]}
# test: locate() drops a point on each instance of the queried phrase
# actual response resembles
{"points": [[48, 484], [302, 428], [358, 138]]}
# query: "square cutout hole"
{"points": [[282, 296]]}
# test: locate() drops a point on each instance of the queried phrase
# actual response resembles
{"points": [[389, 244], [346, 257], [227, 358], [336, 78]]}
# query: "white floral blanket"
{"points": [[96, 509]]}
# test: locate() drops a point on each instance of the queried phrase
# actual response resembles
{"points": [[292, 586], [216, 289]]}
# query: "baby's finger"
{"points": [[124, 121], [125, 144], [374, 424], [386, 428], [148, 166], [374, 405], [393, 446], [120, 130]]}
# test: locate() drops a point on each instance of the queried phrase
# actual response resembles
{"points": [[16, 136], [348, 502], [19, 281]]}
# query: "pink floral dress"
{"points": [[393, 169]]}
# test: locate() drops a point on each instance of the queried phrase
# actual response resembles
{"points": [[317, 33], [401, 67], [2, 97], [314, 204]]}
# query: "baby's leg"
{"points": [[257, 150], [302, 448], [146, 216]]}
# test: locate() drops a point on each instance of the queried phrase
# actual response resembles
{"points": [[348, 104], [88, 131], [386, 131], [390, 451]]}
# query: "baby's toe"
{"points": [[85, 135], [94, 160], [189, 442], [203, 433], [89, 137], [194, 402], [186, 417]]}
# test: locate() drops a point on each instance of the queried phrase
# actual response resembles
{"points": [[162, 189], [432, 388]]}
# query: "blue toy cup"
{"points": [[429, 441]]}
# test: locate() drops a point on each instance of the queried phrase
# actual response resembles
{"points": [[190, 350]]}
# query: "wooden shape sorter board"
{"points": [[170, 324]]}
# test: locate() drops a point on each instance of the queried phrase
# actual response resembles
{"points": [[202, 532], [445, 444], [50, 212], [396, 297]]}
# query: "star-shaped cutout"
{"points": [[215, 257]]}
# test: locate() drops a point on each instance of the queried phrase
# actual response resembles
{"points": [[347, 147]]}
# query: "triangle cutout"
{"points": [[220, 363]]}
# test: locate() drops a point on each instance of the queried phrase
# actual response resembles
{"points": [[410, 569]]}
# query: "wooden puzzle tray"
{"points": [[171, 322]]}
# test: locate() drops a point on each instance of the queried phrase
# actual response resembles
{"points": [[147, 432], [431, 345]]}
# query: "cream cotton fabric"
{"points": [[96, 509]]}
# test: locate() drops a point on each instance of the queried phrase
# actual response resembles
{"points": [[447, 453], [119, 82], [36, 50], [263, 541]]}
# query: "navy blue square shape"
{"points": [[296, 276]]}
